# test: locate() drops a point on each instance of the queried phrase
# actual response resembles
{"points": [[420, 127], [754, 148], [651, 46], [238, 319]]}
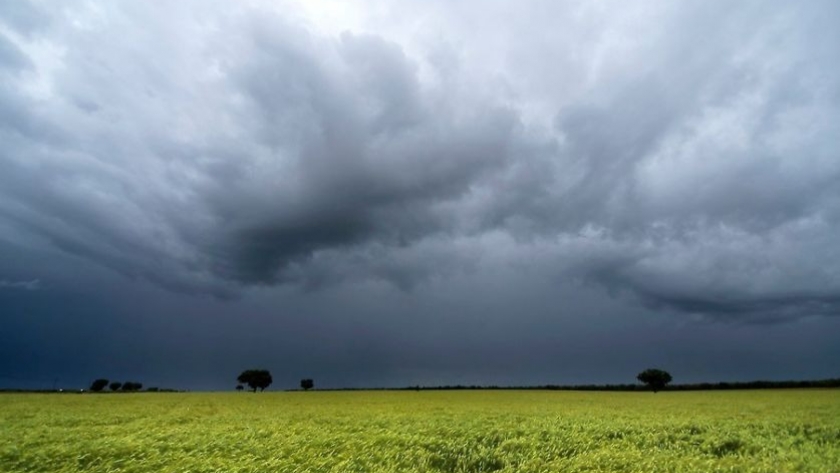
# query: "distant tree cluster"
{"points": [[132, 386], [307, 384], [128, 386]]}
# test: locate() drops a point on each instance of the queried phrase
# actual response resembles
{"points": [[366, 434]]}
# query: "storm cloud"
{"points": [[678, 159]]}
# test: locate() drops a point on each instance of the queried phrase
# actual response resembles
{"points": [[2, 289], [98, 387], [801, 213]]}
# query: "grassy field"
{"points": [[478, 431]]}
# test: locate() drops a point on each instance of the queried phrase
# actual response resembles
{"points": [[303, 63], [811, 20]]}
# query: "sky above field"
{"points": [[390, 193]]}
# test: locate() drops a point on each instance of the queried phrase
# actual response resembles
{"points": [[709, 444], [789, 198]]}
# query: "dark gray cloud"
{"points": [[307, 144], [255, 145], [676, 159]]}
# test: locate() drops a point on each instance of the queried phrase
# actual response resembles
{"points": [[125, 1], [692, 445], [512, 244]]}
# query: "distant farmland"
{"points": [[406, 431]]}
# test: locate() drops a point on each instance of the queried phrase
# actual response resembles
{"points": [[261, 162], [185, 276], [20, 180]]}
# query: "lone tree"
{"points": [[98, 385], [255, 379], [307, 384], [656, 379], [239, 387], [115, 386]]}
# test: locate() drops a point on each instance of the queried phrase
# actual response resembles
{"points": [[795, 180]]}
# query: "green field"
{"points": [[475, 431]]}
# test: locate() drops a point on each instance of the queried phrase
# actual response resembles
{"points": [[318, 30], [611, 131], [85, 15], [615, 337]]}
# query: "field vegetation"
{"points": [[427, 431]]}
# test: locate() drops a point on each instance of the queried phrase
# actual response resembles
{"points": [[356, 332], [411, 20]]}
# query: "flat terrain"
{"points": [[476, 431]]}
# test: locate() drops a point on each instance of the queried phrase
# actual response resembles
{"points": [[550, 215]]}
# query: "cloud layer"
{"points": [[682, 156]]}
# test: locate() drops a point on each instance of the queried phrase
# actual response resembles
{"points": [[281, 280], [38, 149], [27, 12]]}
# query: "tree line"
{"points": [[820, 383], [100, 384], [652, 379], [261, 379]]}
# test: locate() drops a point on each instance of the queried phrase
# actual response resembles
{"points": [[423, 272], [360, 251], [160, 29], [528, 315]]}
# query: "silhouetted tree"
{"points": [[115, 386], [239, 387], [132, 386], [98, 385], [307, 384], [655, 378], [255, 379]]}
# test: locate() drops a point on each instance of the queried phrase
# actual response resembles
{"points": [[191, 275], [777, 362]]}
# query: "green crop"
{"points": [[464, 431]]}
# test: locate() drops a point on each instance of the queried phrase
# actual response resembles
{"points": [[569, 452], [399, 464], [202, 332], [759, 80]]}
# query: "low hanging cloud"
{"points": [[32, 285], [686, 157]]}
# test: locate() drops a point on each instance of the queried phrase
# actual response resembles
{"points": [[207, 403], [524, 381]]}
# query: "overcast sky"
{"points": [[390, 193]]}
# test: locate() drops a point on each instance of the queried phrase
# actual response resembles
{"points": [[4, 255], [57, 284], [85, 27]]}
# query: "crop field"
{"points": [[446, 431]]}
